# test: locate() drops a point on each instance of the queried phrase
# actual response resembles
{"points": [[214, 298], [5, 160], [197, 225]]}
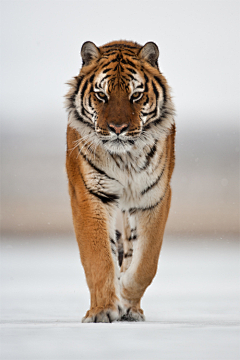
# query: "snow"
{"points": [[191, 307]]}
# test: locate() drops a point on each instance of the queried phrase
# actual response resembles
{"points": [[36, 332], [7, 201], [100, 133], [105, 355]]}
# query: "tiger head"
{"points": [[120, 97]]}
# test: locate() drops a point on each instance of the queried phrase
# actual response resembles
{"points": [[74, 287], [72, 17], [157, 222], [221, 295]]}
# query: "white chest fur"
{"points": [[136, 180]]}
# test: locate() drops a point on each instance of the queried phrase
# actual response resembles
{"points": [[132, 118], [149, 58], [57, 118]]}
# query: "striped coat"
{"points": [[120, 155]]}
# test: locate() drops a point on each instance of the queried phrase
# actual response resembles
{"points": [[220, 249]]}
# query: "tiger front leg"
{"points": [[146, 250], [91, 225], [127, 242]]}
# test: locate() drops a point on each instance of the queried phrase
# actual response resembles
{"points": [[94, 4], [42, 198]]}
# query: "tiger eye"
{"points": [[136, 95], [101, 94]]}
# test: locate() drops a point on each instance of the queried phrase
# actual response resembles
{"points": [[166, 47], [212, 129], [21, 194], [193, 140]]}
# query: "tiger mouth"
{"points": [[119, 142]]}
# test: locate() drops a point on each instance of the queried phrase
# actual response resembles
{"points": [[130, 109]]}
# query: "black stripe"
{"points": [[132, 238], [79, 81], [129, 154], [116, 67], [109, 318], [96, 168], [84, 89], [123, 62], [139, 87], [86, 113], [159, 159], [105, 65], [121, 68], [154, 114], [114, 251], [131, 70], [79, 118], [83, 110], [115, 60], [130, 76], [165, 114], [155, 91], [146, 85], [112, 241], [127, 255], [162, 86], [120, 257], [146, 101], [110, 52], [148, 113], [91, 78], [90, 102], [118, 235], [102, 59], [130, 53], [105, 77], [134, 210], [105, 198], [73, 96], [155, 182], [115, 157], [106, 70], [130, 63], [158, 120], [150, 156], [148, 126]]}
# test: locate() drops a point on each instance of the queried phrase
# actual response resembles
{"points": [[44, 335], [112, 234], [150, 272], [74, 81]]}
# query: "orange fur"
{"points": [[101, 179]]}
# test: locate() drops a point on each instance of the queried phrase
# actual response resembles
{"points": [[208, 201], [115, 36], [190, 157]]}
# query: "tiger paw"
{"points": [[103, 315], [133, 314]]}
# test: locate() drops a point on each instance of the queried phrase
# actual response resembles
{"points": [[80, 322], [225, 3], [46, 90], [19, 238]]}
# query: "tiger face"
{"points": [[120, 95]]}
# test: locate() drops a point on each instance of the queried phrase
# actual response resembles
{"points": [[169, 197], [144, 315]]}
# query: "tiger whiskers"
{"points": [[86, 145], [98, 142], [90, 145], [74, 146], [78, 142]]}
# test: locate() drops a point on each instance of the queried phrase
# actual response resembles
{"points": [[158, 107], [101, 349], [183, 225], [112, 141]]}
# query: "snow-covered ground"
{"points": [[191, 307]]}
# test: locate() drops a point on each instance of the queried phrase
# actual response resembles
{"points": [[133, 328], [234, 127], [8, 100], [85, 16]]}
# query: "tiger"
{"points": [[120, 158]]}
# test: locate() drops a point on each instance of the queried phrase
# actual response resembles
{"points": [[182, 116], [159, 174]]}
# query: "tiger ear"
{"points": [[89, 52], [150, 53]]}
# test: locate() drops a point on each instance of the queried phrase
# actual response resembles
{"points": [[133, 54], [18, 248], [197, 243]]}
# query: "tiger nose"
{"points": [[118, 129]]}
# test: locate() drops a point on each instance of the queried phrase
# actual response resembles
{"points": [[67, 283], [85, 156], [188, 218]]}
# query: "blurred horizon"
{"points": [[205, 184]]}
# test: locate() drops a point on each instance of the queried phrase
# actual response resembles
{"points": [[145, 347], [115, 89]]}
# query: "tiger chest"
{"points": [[141, 191], [124, 186]]}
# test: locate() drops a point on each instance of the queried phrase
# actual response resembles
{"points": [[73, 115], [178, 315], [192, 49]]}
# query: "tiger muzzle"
{"points": [[118, 129]]}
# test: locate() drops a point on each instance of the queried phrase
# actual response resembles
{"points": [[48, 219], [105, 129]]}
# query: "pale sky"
{"points": [[198, 42]]}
